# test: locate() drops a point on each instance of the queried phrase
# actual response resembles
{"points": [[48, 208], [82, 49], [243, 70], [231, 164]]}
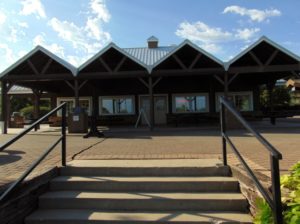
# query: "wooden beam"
{"points": [[46, 66], [157, 81], [4, 106], [105, 65], [219, 79], [82, 84], [76, 93], [226, 85], [32, 67], [295, 74], [195, 61], [151, 100], [45, 77], [144, 82], [70, 84], [179, 62], [207, 71], [270, 68], [232, 78], [120, 64], [256, 59], [271, 57]]}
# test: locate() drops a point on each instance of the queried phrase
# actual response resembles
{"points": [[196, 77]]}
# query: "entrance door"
{"points": [[160, 109]]}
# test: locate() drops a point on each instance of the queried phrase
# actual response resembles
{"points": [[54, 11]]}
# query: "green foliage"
{"points": [[28, 111], [291, 200], [281, 96], [17, 103], [264, 214]]}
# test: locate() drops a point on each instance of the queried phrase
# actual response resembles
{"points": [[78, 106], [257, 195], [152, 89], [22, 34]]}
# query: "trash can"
{"points": [[78, 121]]}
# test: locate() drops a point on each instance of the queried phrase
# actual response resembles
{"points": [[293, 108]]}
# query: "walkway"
{"points": [[172, 143]]}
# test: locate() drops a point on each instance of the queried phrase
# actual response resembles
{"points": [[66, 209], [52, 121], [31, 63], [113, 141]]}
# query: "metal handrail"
{"points": [[32, 126], [61, 139], [274, 201]]}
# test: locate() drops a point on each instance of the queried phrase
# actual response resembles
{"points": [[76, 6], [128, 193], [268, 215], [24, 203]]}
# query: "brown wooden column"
{"points": [[76, 93], [270, 87], [151, 100], [211, 97], [4, 106], [226, 85], [36, 105]]}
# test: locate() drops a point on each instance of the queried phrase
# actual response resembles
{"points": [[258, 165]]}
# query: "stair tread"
{"points": [[181, 216], [155, 163], [142, 179], [142, 195]]}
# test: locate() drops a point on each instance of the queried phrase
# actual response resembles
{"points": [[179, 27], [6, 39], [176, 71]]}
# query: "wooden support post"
{"points": [[36, 106], [4, 106], [270, 87], [226, 85], [151, 100], [212, 105], [76, 93]]}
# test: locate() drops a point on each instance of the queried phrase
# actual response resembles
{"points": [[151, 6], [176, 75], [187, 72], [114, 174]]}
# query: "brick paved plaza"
{"points": [[163, 143]]}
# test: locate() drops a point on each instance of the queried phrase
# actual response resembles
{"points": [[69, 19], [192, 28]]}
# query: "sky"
{"points": [[75, 30]]}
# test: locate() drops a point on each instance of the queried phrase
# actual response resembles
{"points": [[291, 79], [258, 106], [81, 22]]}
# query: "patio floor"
{"points": [[163, 143]]}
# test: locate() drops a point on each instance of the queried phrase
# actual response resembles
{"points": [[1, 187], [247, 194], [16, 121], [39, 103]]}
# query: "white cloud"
{"points": [[8, 53], [99, 8], [211, 38], [255, 15], [54, 48], [2, 18], [201, 32], [89, 38], [23, 24], [246, 34], [34, 7], [13, 36], [22, 53]]}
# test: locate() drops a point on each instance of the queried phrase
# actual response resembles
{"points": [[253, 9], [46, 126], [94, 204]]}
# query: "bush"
{"points": [[290, 186], [28, 111]]}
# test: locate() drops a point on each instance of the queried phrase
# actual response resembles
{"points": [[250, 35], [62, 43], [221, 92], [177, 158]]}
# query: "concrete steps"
{"points": [[146, 184], [141, 201], [142, 191], [84, 216]]}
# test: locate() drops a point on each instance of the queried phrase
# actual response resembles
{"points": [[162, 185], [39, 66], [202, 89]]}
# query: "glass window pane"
{"points": [[242, 102], [190, 104], [107, 106], [116, 105], [201, 103]]}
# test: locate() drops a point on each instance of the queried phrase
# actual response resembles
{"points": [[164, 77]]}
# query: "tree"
{"points": [[281, 96]]}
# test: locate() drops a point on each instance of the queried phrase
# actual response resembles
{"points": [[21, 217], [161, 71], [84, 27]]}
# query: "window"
{"points": [[242, 100], [84, 103], [116, 105], [190, 103]]}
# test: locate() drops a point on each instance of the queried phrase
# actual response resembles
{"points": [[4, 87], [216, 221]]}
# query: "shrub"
{"points": [[290, 186], [28, 111]]}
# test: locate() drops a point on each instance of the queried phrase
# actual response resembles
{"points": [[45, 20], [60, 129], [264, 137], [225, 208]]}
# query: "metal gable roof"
{"points": [[149, 56], [260, 40], [105, 49], [59, 60], [196, 47]]}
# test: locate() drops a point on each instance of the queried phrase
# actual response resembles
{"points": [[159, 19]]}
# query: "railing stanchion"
{"points": [[63, 133], [223, 131], [276, 190]]}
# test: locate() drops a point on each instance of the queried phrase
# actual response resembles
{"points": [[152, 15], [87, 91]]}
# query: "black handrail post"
{"points": [[63, 133], [277, 212], [223, 130]]}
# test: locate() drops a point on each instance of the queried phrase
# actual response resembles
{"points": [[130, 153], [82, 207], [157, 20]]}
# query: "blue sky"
{"points": [[77, 29]]}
